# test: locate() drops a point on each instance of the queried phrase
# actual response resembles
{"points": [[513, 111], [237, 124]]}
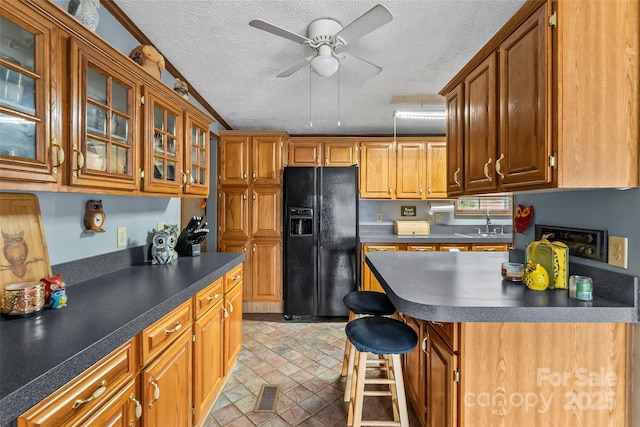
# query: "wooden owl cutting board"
{"points": [[24, 256]]}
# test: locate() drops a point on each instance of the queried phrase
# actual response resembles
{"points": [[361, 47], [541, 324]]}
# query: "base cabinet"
{"points": [[170, 374], [441, 381], [166, 386]]}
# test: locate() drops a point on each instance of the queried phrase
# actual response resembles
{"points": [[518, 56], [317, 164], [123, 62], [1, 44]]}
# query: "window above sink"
{"points": [[499, 206]]}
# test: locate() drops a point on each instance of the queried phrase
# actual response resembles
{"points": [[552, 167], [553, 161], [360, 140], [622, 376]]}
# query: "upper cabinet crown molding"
{"points": [[566, 113]]}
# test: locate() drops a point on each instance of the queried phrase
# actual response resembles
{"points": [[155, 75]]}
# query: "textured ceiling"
{"points": [[234, 66]]}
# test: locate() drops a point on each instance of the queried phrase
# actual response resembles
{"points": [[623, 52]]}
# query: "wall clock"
{"points": [[94, 217]]}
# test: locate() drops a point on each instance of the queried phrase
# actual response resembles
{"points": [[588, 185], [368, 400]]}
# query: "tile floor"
{"points": [[304, 360]]}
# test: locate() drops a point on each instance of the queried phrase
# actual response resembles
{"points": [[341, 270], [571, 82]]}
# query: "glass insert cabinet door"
{"points": [[29, 150], [196, 158], [164, 139], [103, 148]]}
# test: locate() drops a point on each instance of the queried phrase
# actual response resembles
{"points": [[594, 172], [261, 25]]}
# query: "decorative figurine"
{"points": [[182, 88], [523, 217], [94, 217], [148, 58], [85, 11], [162, 247], [58, 299], [52, 284]]}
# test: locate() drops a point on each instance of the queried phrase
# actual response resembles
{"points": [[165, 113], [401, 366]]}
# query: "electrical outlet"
{"points": [[122, 237], [160, 226], [378, 217], [429, 217], [618, 251], [438, 217]]}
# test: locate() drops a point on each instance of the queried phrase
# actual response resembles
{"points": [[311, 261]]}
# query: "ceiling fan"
{"points": [[326, 37]]}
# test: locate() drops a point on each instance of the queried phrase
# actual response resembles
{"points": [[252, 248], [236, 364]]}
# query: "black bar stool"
{"points": [[361, 303], [388, 338]]}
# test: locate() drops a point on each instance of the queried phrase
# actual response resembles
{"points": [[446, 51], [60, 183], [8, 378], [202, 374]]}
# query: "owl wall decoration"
{"points": [[523, 217], [94, 217], [162, 246]]}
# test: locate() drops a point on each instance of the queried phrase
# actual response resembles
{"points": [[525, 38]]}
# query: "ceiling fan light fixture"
{"points": [[325, 64]]}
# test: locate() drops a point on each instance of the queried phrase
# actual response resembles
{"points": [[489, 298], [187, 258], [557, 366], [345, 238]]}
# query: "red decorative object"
{"points": [[523, 217], [52, 284], [203, 204]]}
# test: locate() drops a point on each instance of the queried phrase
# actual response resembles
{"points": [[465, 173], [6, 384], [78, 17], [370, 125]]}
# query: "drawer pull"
{"points": [[156, 391], [96, 394], [175, 329], [381, 249], [236, 277], [215, 296], [138, 406]]}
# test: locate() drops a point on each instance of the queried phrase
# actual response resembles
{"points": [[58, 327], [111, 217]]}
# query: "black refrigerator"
{"points": [[321, 254]]}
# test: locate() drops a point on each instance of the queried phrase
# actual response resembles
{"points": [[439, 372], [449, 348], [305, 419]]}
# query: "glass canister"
{"points": [[581, 287]]}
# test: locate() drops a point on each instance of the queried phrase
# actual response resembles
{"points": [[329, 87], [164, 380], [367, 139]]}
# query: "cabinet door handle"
{"points": [[455, 176], [326, 160], [244, 176], [254, 249], [184, 177], [156, 391], [437, 323], [244, 197], [253, 175], [254, 197], [420, 190], [175, 329], [138, 406], [79, 160], [225, 314], [498, 167], [486, 170], [59, 155], [429, 189], [96, 394], [215, 296], [244, 249], [389, 190], [424, 344], [230, 307]]}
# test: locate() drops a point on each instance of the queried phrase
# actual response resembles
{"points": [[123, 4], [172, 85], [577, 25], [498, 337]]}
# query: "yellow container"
{"points": [[554, 257]]}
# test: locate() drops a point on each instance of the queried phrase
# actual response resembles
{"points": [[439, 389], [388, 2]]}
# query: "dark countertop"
{"points": [[467, 287], [41, 353], [439, 234]]}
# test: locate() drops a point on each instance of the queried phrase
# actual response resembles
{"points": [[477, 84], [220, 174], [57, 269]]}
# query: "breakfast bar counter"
{"points": [[495, 353], [468, 287]]}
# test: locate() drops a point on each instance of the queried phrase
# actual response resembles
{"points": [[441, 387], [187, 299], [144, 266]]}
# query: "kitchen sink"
{"points": [[478, 235]]}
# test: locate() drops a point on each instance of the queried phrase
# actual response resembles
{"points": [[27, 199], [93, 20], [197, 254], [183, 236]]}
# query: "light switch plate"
{"points": [[618, 251]]}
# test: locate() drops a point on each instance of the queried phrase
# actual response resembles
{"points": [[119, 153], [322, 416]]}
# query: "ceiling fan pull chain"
{"points": [[310, 122], [339, 97]]}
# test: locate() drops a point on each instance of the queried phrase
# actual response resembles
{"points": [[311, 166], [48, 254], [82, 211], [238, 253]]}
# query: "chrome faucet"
{"points": [[488, 221]]}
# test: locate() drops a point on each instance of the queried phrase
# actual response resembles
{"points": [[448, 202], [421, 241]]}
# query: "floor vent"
{"points": [[267, 399]]}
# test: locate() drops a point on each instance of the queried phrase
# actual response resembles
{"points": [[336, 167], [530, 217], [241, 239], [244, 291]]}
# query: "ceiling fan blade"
{"points": [[369, 21], [270, 28], [297, 66], [365, 68]]}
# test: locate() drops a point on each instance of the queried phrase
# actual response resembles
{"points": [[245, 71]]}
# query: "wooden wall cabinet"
{"points": [[91, 119], [250, 211], [33, 153], [308, 151], [410, 168], [517, 100]]}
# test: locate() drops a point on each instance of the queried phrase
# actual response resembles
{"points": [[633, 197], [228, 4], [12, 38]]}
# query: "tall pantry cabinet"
{"points": [[250, 166]]}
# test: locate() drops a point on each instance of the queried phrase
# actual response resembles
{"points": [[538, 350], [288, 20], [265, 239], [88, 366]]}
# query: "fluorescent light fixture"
{"points": [[420, 115], [325, 64]]}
